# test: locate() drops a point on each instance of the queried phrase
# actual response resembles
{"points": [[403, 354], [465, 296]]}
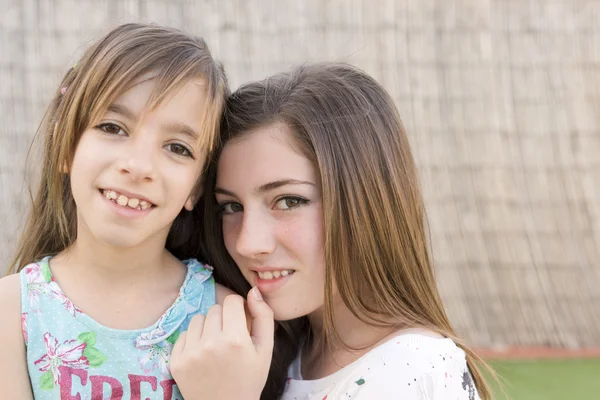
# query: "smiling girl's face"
{"points": [[136, 168], [272, 219]]}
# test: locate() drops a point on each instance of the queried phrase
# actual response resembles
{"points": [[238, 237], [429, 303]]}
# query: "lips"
{"points": [[269, 280]]}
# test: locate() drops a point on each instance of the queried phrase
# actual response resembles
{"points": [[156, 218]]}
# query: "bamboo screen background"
{"points": [[500, 98]]}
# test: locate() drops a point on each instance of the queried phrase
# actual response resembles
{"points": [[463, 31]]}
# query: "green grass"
{"points": [[549, 379]]}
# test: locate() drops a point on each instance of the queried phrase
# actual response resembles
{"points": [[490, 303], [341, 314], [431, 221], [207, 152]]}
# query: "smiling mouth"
{"points": [[270, 275], [124, 201]]}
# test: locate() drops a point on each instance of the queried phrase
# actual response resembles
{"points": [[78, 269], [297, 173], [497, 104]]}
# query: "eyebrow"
{"points": [[124, 111], [183, 129], [267, 186], [174, 127]]}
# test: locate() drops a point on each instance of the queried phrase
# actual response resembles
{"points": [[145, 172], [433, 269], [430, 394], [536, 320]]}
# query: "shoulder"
{"points": [[416, 366], [14, 378], [11, 312], [10, 293], [199, 277], [13, 372], [197, 268], [222, 292]]}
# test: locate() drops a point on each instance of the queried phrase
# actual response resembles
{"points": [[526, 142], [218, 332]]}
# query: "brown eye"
{"points": [[179, 149], [112, 129], [289, 203]]}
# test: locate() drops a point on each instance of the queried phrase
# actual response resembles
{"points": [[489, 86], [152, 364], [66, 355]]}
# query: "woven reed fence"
{"points": [[501, 100]]}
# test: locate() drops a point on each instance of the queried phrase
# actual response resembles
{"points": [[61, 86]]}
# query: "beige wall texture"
{"points": [[501, 100]]}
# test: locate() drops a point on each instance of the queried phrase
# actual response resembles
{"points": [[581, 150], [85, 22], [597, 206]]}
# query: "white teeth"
{"points": [[123, 200], [268, 275]]}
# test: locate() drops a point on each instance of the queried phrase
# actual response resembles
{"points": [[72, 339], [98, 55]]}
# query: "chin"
{"points": [[122, 241], [283, 313]]}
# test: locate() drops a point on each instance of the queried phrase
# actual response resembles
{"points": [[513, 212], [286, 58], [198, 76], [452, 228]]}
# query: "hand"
{"points": [[217, 358]]}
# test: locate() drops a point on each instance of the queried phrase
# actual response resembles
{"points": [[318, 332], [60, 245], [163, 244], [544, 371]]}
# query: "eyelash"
{"points": [[105, 125], [187, 152], [221, 210], [301, 202]]}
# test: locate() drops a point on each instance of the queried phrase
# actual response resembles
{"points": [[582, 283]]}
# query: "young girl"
{"points": [[100, 297], [318, 204]]}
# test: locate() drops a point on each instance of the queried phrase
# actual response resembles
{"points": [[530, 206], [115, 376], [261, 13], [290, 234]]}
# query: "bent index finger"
{"points": [[213, 324], [263, 323], [234, 315], [196, 327]]}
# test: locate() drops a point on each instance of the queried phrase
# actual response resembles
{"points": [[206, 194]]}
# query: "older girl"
{"points": [[317, 203]]}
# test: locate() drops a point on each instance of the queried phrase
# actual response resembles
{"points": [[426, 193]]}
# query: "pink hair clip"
{"points": [[63, 90]]}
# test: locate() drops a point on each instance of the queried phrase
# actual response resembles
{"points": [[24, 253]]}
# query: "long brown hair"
{"points": [[107, 69], [374, 218]]}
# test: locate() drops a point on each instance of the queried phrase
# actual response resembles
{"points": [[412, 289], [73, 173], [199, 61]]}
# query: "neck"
{"points": [[359, 337], [112, 263], [120, 287]]}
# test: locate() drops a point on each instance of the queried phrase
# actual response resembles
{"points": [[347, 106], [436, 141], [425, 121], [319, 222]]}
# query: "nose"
{"points": [[256, 236], [138, 160]]}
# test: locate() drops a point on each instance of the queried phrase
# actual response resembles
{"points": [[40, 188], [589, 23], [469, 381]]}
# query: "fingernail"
{"points": [[256, 293]]}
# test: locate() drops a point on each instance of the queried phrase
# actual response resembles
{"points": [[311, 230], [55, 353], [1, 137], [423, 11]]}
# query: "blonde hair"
{"points": [[374, 217], [107, 69]]}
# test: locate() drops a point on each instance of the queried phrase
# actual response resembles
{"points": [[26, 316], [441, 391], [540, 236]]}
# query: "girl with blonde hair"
{"points": [[105, 283]]}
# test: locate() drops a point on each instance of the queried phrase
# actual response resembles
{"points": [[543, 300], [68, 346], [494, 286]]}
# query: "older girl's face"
{"points": [[272, 217]]}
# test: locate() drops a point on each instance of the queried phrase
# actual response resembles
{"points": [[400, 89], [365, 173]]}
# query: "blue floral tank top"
{"points": [[71, 356]]}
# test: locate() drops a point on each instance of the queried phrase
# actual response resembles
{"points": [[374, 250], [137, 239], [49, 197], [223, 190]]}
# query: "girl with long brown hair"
{"points": [[105, 281], [313, 197]]}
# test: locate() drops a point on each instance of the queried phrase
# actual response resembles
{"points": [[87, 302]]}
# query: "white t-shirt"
{"points": [[407, 367]]}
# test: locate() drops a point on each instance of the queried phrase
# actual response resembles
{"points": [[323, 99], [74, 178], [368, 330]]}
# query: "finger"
{"points": [[213, 324], [234, 316], [179, 347], [263, 324], [196, 327]]}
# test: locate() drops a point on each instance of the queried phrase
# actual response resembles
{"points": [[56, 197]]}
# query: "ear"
{"points": [[65, 168], [192, 200], [189, 203]]}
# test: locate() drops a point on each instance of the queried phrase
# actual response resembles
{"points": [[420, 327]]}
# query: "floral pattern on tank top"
{"points": [[71, 356]]}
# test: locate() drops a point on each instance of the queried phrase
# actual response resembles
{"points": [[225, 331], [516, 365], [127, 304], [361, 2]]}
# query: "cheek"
{"points": [[306, 237], [84, 167], [182, 181], [231, 229], [184, 187]]}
